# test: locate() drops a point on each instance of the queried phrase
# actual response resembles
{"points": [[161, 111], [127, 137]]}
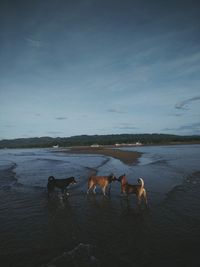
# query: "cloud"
{"points": [[183, 104], [125, 126], [9, 126], [34, 43], [168, 129], [61, 118], [114, 110], [193, 128], [177, 115], [54, 132]]}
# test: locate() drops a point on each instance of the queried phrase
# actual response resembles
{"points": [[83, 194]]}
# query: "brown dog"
{"points": [[102, 181], [59, 183], [137, 189]]}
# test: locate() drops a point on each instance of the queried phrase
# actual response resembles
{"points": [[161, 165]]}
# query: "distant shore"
{"points": [[127, 157]]}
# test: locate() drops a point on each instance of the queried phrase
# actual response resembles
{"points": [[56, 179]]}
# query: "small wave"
{"points": [[81, 255], [50, 160], [94, 171], [8, 175], [103, 163], [194, 178], [189, 184], [7, 165], [162, 161], [24, 154]]}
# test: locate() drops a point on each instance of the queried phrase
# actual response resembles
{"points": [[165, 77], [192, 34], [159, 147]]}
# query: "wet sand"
{"points": [[127, 157]]}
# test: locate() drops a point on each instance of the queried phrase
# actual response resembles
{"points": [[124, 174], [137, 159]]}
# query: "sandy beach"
{"points": [[127, 157]]}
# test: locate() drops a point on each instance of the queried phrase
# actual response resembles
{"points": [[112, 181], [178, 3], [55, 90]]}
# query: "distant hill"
{"points": [[84, 140]]}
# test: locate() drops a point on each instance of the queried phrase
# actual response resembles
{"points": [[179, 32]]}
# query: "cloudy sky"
{"points": [[71, 67]]}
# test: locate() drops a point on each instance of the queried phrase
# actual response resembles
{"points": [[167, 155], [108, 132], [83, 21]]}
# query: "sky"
{"points": [[73, 67]]}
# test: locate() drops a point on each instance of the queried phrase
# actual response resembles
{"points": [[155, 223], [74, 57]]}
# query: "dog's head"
{"points": [[121, 178], [51, 179], [112, 178], [73, 180]]}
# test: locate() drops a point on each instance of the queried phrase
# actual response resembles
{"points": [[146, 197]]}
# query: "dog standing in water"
{"points": [[102, 181], [59, 183], [137, 189]]}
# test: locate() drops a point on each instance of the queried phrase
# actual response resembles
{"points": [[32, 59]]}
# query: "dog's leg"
{"points": [[104, 190], [109, 189], [124, 193], [145, 197], [50, 192], [50, 188], [88, 191], [94, 189], [90, 185], [66, 193], [138, 199], [123, 190], [63, 191]]}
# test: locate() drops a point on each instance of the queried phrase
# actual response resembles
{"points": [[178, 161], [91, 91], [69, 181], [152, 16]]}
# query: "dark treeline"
{"points": [[86, 140]]}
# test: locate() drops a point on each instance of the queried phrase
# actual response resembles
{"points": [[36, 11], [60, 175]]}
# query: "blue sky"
{"points": [[72, 67]]}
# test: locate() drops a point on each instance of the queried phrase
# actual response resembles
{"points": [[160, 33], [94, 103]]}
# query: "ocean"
{"points": [[93, 230]]}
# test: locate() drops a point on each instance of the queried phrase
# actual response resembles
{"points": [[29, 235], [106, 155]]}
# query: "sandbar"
{"points": [[127, 157]]}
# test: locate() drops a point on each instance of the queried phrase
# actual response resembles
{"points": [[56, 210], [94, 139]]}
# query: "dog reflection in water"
{"points": [[137, 189], [102, 181], [60, 184]]}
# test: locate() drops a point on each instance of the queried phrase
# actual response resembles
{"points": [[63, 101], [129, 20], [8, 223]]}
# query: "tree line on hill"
{"points": [[87, 140]]}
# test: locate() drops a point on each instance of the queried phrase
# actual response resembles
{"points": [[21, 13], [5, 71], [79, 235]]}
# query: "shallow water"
{"points": [[97, 230]]}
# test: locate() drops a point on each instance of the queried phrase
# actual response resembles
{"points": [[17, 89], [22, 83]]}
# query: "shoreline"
{"points": [[127, 157]]}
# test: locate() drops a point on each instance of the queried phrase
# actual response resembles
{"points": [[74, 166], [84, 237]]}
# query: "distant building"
{"points": [[125, 144], [138, 144], [95, 145], [55, 146]]}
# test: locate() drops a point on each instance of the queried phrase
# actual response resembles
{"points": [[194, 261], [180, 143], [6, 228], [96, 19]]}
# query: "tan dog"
{"points": [[137, 189], [102, 181]]}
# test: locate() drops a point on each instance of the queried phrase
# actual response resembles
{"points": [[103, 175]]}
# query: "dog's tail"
{"points": [[90, 184], [141, 182], [89, 181], [51, 178]]}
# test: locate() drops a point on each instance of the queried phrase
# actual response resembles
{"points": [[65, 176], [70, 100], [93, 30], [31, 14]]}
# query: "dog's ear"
{"points": [[75, 180], [120, 178], [114, 177], [111, 175], [51, 178]]}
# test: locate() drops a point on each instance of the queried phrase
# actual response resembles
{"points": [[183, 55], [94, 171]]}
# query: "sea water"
{"points": [[93, 230]]}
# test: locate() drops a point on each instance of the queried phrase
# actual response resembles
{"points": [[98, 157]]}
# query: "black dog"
{"points": [[59, 183]]}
